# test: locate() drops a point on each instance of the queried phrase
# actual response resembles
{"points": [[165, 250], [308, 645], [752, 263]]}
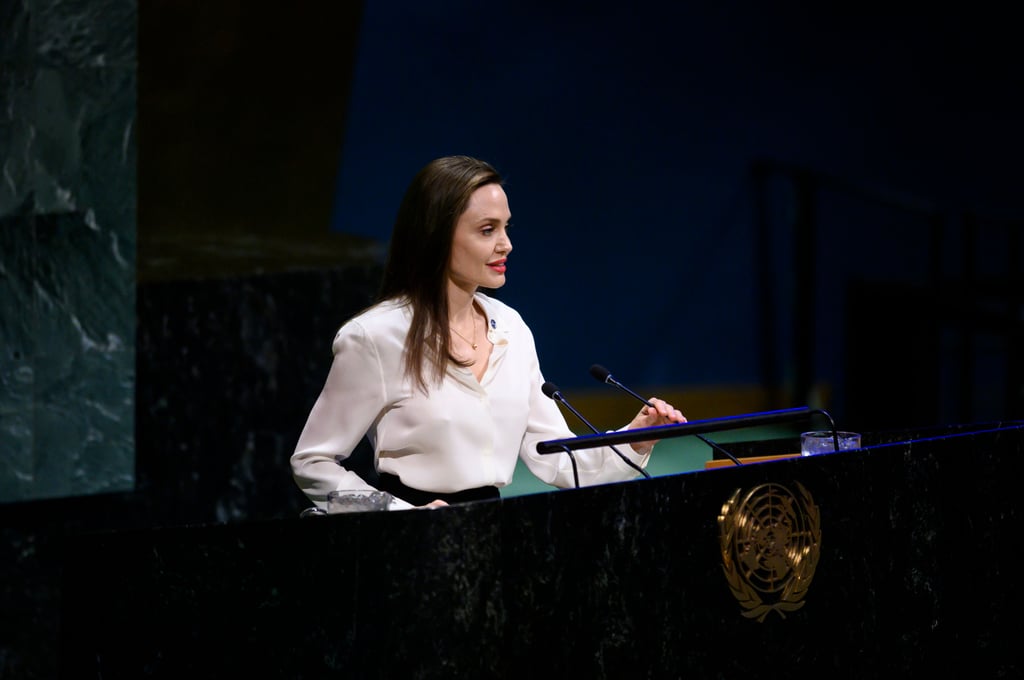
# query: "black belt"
{"points": [[393, 485]]}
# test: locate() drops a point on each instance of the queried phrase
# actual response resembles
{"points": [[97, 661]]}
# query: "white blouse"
{"points": [[463, 434]]}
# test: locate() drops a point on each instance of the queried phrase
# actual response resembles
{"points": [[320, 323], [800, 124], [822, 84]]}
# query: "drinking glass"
{"points": [[821, 441], [357, 500]]}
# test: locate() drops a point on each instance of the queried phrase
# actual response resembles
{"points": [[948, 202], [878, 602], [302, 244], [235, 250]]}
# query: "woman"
{"points": [[442, 379]]}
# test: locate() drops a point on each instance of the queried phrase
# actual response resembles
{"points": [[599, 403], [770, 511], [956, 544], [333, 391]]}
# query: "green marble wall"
{"points": [[67, 247]]}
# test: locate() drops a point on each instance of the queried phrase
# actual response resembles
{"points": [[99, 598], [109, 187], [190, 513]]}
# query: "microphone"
{"points": [[551, 391], [602, 374]]}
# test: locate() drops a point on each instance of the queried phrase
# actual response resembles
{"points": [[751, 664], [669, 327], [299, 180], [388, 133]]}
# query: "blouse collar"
{"points": [[497, 328]]}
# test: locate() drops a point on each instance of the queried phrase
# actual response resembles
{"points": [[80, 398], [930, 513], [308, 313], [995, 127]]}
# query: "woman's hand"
{"points": [[660, 412], [436, 503]]}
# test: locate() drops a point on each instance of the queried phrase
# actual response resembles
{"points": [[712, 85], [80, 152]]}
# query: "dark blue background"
{"points": [[627, 134]]}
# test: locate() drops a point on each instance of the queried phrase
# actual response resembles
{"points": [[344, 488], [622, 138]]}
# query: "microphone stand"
{"points": [[718, 448], [575, 470], [551, 390], [602, 374]]}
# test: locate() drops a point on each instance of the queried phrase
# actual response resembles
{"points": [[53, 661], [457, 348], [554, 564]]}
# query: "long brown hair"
{"points": [[417, 264]]}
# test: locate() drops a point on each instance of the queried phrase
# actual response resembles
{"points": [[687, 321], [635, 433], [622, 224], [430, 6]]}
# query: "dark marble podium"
{"points": [[915, 572]]}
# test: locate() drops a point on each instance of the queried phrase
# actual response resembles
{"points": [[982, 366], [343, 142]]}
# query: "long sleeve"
{"points": [[352, 398]]}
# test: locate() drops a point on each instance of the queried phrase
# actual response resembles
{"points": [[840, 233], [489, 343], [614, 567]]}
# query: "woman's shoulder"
{"points": [[382, 312], [381, 319]]}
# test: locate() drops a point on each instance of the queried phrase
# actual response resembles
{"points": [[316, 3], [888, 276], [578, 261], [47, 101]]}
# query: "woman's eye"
{"points": [[487, 231]]}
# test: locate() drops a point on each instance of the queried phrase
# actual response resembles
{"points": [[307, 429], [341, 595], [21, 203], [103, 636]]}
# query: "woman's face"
{"points": [[480, 243]]}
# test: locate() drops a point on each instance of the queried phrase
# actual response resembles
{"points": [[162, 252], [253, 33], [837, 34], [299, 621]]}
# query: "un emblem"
{"points": [[770, 542]]}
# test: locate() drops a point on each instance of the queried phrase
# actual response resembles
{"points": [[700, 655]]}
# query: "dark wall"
{"points": [[696, 191], [667, 161], [242, 109]]}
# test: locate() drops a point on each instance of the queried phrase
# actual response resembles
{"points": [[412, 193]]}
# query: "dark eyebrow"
{"points": [[494, 221]]}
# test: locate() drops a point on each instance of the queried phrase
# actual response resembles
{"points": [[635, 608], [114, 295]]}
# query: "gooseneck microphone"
{"points": [[551, 391], [602, 374]]}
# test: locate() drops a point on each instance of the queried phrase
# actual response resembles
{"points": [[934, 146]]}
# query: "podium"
{"points": [[895, 559]]}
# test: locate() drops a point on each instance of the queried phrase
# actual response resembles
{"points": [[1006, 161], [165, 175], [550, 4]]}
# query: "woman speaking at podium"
{"points": [[441, 379]]}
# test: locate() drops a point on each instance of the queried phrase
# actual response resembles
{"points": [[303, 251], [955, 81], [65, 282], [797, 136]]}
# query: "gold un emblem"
{"points": [[770, 541]]}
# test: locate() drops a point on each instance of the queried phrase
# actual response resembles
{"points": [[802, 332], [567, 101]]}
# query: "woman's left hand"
{"points": [[659, 413]]}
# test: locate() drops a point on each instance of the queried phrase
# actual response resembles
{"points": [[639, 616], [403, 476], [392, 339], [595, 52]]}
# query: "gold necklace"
{"points": [[471, 342]]}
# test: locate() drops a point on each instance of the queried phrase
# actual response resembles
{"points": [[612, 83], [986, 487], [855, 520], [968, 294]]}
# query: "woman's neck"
{"points": [[460, 305]]}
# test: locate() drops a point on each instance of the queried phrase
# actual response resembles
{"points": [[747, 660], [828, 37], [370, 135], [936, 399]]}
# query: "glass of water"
{"points": [[821, 441], [357, 500]]}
